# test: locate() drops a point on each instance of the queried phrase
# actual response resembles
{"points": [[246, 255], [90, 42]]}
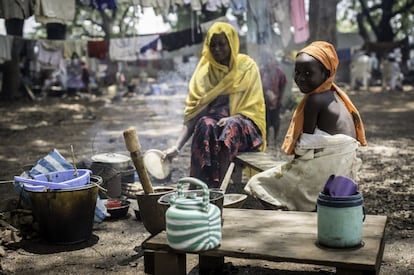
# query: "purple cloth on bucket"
{"points": [[339, 186]]}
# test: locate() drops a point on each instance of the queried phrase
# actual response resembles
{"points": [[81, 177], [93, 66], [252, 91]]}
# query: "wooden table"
{"points": [[279, 236]]}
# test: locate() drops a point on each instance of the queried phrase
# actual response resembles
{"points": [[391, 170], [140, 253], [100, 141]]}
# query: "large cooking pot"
{"points": [[66, 216], [117, 161], [115, 169]]}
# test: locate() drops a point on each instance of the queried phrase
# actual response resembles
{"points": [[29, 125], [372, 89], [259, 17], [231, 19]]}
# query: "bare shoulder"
{"points": [[320, 99], [328, 95]]}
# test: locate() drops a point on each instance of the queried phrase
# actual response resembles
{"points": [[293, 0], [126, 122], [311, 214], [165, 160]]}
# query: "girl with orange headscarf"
{"points": [[225, 109], [324, 134], [324, 105]]}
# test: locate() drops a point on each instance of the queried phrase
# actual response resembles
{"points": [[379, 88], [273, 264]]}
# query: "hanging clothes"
{"points": [[206, 25], [176, 40], [299, 22], [280, 13], [153, 45], [97, 49], [74, 46], [128, 49], [14, 26], [146, 3], [238, 6], [56, 31], [28, 50], [161, 7], [197, 5], [103, 4], [50, 53], [55, 11], [17, 9]]}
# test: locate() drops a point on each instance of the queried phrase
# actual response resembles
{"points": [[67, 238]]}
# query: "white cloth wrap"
{"points": [[296, 184]]}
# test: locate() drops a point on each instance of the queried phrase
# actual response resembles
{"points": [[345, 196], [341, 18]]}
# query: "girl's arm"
{"points": [[311, 112]]}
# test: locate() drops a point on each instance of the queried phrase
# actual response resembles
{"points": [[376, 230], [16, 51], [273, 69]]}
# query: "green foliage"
{"points": [[346, 16], [388, 20]]}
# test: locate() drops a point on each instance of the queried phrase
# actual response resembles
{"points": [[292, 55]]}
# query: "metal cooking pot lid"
{"points": [[158, 168], [111, 158]]}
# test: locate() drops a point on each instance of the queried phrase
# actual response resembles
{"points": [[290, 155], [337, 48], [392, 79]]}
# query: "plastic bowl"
{"points": [[56, 180]]}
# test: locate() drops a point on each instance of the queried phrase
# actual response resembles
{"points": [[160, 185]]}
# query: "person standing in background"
{"points": [[85, 76], [274, 83], [74, 81], [392, 77]]}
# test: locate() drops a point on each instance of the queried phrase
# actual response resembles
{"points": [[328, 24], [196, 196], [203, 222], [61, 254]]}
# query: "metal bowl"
{"points": [[234, 200], [120, 211]]}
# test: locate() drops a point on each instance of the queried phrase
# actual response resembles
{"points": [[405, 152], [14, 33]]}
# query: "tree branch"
{"points": [[407, 6], [366, 13], [122, 26]]}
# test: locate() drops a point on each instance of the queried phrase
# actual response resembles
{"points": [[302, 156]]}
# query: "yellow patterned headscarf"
{"points": [[240, 80], [326, 54]]}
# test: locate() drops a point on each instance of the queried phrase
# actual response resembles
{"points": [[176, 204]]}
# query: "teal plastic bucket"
{"points": [[340, 220]]}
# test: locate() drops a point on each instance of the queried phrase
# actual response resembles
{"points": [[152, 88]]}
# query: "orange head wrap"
{"points": [[326, 54]]}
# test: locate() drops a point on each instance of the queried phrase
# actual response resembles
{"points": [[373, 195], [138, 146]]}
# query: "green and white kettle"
{"points": [[193, 223]]}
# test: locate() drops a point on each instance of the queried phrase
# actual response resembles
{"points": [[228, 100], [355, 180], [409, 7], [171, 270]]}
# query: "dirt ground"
{"points": [[94, 124]]}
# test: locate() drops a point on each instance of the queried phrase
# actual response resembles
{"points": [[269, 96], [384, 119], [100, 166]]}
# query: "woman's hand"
{"points": [[170, 153], [223, 121]]}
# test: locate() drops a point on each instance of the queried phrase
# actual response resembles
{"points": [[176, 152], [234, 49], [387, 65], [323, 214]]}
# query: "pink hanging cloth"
{"points": [[299, 22]]}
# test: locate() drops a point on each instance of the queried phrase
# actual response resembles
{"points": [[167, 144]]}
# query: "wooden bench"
{"points": [[279, 236], [252, 163]]}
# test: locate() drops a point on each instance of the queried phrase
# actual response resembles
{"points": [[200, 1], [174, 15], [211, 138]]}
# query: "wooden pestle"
{"points": [[134, 147]]}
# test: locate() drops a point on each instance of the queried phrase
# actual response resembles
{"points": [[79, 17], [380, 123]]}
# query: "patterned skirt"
{"points": [[213, 146]]}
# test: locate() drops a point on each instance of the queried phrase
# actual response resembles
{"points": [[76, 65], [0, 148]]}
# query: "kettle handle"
{"points": [[192, 180]]}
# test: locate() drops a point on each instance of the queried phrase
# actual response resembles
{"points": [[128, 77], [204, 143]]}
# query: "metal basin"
{"points": [[66, 216], [234, 200]]}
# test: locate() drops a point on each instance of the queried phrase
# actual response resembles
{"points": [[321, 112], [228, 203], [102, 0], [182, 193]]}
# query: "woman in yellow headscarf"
{"points": [[225, 109]]}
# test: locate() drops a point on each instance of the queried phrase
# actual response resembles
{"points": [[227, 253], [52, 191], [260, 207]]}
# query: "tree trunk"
{"points": [[322, 20], [385, 32], [11, 84]]}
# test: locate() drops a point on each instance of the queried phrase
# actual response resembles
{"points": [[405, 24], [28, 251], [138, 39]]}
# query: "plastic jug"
{"points": [[193, 223], [340, 220]]}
